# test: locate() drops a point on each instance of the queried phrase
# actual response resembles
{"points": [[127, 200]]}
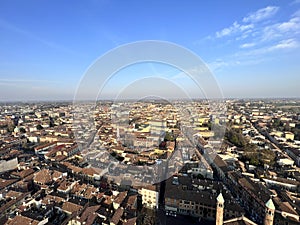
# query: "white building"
{"points": [[8, 165], [150, 196]]}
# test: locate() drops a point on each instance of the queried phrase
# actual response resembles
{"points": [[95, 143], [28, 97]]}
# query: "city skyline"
{"points": [[252, 48]]}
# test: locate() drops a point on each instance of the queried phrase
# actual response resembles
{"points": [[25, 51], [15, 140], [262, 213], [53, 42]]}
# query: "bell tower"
{"points": [[270, 211], [220, 209]]}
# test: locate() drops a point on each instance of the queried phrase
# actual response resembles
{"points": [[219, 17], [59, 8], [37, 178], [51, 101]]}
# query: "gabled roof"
{"points": [[239, 221], [70, 207], [22, 220]]}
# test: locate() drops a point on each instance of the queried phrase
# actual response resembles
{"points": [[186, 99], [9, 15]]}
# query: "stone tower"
{"points": [[220, 209], [270, 211]]}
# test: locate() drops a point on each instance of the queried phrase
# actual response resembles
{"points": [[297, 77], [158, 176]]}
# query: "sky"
{"points": [[252, 48]]}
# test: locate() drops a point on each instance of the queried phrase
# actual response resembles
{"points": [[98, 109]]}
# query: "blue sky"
{"points": [[252, 47]]}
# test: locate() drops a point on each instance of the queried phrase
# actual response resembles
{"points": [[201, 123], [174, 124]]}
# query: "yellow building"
{"points": [[289, 136]]}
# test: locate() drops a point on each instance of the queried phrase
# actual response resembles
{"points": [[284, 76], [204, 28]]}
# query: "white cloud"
{"points": [[234, 28], [269, 33], [254, 56], [281, 45], [227, 62], [218, 64], [247, 25], [258, 42], [247, 45], [291, 25], [248, 21], [261, 14], [285, 44], [288, 28]]}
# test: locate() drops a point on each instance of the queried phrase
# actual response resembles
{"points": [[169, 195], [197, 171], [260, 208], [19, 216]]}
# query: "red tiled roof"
{"points": [[22, 220], [71, 207], [43, 176]]}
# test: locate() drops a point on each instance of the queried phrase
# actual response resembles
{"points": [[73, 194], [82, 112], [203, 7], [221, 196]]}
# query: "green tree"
{"points": [[39, 127], [169, 137], [236, 137], [10, 127], [22, 130]]}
